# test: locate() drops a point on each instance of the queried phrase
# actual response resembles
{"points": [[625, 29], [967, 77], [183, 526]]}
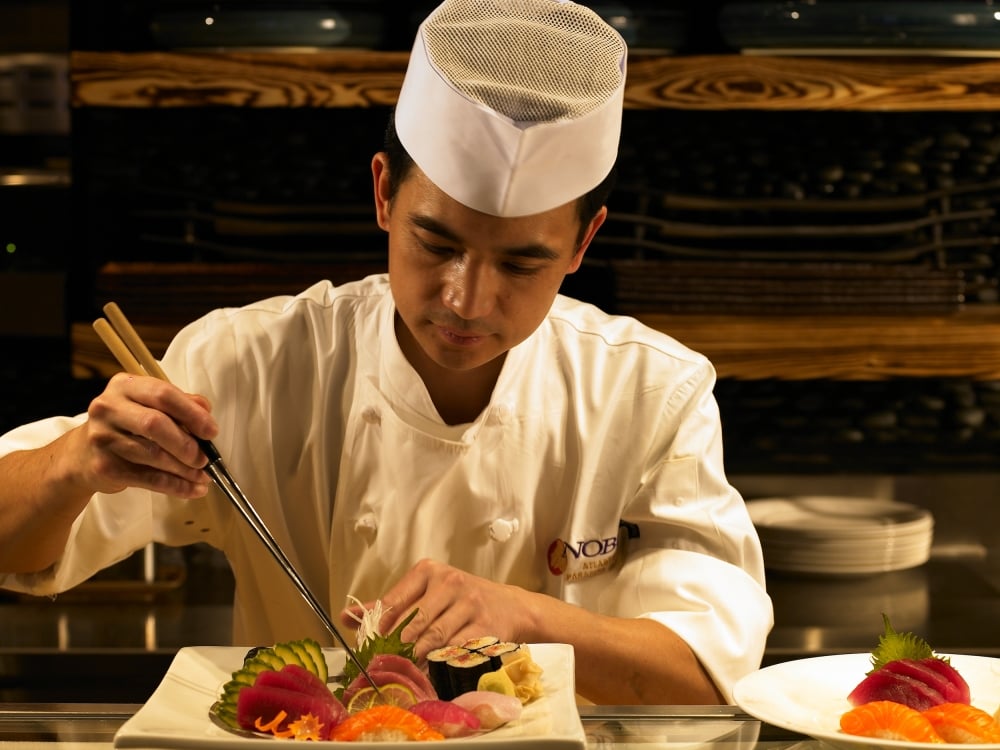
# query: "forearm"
{"points": [[39, 500], [625, 661]]}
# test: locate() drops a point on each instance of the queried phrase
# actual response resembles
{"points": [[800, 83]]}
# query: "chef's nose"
{"points": [[471, 290]]}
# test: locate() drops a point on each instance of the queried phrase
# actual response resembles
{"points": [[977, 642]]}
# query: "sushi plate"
{"points": [[176, 716], [808, 696]]}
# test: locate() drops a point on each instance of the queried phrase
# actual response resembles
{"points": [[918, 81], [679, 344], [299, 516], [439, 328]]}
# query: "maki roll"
{"points": [[499, 652], [438, 670], [454, 670], [466, 669], [478, 644]]}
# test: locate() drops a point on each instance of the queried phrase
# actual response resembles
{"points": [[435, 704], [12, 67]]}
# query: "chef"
{"points": [[454, 436]]}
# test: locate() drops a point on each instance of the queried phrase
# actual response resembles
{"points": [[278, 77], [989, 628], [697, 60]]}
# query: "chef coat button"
{"points": [[371, 415], [503, 529], [500, 414], [366, 527]]}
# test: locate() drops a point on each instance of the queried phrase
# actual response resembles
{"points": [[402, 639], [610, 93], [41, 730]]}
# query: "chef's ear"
{"points": [[587, 236], [380, 179]]}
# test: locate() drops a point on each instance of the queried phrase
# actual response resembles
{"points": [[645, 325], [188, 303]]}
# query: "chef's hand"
{"points": [[139, 434], [452, 606]]}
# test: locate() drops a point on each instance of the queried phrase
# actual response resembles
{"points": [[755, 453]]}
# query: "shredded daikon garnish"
{"points": [[369, 620]]}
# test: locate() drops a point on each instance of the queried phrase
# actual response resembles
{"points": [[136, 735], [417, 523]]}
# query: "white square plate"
{"points": [[176, 716]]}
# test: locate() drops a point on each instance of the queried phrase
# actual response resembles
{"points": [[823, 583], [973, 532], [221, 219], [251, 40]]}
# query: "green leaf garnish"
{"points": [[379, 644], [892, 646]]}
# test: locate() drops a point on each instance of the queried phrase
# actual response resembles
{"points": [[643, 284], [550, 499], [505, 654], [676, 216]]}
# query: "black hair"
{"points": [[400, 163]]}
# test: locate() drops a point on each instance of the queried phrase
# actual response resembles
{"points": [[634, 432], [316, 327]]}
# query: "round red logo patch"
{"points": [[558, 558]]}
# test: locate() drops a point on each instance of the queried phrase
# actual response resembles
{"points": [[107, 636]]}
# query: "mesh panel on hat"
{"points": [[530, 60]]}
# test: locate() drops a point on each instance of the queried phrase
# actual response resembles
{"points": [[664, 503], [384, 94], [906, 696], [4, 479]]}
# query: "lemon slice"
{"points": [[392, 693]]}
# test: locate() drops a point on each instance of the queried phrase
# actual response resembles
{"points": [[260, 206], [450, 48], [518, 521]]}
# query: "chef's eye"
{"points": [[519, 269], [440, 250]]}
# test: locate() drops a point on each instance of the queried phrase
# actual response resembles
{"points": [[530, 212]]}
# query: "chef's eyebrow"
{"points": [[535, 251]]}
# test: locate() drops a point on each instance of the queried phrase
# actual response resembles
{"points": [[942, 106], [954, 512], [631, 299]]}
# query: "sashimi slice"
{"points": [[382, 678], [265, 703], [384, 723], [294, 677], [492, 709], [401, 665], [448, 718], [889, 720], [962, 723], [960, 686], [929, 675], [882, 685]]}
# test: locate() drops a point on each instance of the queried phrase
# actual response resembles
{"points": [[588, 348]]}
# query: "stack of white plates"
{"points": [[841, 536]]}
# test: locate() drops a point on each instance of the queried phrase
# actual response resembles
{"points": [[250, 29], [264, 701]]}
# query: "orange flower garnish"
{"points": [[306, 727]]}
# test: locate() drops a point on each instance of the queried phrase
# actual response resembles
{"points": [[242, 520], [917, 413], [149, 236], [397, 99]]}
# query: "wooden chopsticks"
{"points": [[134, 356], [126, 345]]}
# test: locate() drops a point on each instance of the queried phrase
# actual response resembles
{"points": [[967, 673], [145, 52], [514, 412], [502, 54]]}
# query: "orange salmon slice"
{"points": [[889, 720], [384, 722], [962, 723]]}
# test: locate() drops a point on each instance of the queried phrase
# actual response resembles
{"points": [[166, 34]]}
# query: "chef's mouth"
{"points": [[459, 336], [457, 329]]}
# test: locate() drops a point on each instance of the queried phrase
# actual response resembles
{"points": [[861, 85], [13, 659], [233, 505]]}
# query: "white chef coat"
{"points": [[594, 475]]}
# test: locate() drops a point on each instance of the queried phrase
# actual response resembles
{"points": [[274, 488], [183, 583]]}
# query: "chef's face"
{"points": [[469, 286]]}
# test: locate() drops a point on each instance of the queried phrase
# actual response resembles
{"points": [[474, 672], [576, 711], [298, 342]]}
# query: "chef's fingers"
{"points": [[166, 476], [406, 594], [133, 438], [193, 411], [160, 413], [106, 464], [203, 402], [459, 622], [450, 606]]}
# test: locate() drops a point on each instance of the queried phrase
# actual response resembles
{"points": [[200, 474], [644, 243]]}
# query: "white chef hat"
{"points": [[513, 107]]}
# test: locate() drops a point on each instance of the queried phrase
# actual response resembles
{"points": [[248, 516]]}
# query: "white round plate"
{"points": [[848, 551], [809, 696], [836, 517]]}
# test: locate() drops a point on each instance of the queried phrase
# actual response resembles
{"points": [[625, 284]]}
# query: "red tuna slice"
{"points": [[883, 685], [266, 703], [448, 718], [294, 677], [959, 687], [920, 670], [402, 665]]}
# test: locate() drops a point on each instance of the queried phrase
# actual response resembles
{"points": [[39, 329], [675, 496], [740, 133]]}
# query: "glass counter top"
{"points": [[78, 726]]}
